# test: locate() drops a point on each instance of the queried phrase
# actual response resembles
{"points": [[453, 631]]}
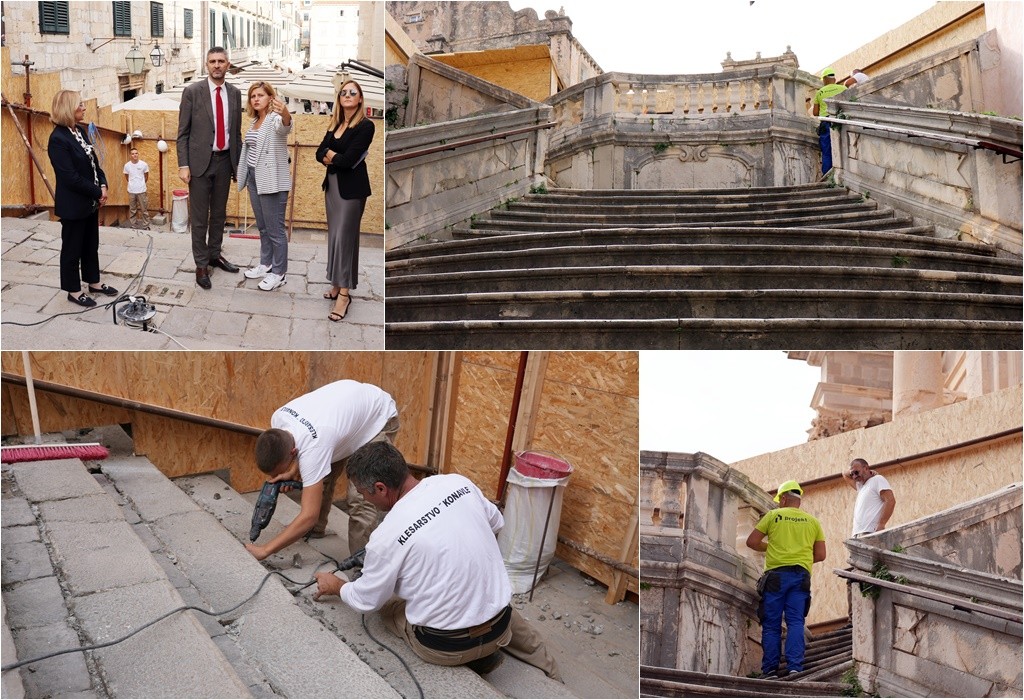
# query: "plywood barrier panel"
{"points": [[95, 371], [327, 367], [59, 413], [588, 414], [178, 448], [8, 421], [486, 385], [409, 378]]}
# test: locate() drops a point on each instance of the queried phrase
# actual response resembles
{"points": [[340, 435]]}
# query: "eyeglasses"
{"points": [[349, 93]]}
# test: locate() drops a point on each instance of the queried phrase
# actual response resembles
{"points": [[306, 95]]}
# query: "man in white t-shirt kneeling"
{"points": [[310, 440], [875, 499], [433, 568]]}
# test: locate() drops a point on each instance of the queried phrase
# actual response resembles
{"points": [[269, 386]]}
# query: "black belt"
{"points": [[222, 153], [793, 568], [463, 639]]}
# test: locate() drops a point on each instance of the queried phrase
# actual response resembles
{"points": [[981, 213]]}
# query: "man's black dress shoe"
{"points": [[203, 278], [224, 265]]}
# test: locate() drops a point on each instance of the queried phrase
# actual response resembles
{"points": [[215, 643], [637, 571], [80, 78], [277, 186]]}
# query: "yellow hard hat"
{"points": [[827, 72], [787, 486]]}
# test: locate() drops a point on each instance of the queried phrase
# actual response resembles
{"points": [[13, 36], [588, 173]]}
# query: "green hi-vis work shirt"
{"points": [[791, 535], [825, 92]]}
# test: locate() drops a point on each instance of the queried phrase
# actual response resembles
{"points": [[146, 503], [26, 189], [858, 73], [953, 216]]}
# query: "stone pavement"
{"points": [[233, 315]]}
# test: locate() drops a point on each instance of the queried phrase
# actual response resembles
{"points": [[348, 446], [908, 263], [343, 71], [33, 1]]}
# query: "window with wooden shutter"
{"points": [[122, 18], [54, 18], [156, 19]]}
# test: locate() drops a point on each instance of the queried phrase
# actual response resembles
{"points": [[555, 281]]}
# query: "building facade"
{"points": [[89, 43]]}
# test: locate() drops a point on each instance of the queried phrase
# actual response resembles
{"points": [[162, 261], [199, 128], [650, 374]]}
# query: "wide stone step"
{"points": [[710, 277], [683, 197], [659, 304], [640, 206], [862, 220], [705, 334], [104, 579], [701, 191], [911, 237], [300, 560], [705, 254], [498, 220], [665, 682]]}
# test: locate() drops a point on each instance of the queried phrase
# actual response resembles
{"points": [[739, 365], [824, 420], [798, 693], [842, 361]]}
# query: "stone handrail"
{"points": [[441, 174], [966, 191]]}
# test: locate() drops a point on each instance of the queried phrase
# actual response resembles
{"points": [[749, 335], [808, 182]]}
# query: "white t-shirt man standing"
{"points": [[875, 499], [136, 174]]}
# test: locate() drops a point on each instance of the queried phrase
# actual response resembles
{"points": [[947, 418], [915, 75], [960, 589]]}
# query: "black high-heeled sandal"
{"points": [[331, 316]]}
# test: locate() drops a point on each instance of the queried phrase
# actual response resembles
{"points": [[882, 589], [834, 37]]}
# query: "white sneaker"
{"points": [[257, 272], [272, 281]]}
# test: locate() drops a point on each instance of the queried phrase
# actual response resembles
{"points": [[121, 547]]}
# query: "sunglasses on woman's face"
{"points": [[349, 93]]}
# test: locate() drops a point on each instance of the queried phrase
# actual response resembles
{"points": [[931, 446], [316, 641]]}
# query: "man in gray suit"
{"points": [[209, 141]]}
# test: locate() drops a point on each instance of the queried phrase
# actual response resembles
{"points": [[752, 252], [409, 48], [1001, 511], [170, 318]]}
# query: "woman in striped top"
{"points": [[263, 168]]}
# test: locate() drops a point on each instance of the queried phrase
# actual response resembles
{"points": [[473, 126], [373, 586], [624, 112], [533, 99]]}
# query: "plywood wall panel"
{"points": [[8, 419], [486, 385], [59, 413], [409, 378], [178, 448]]}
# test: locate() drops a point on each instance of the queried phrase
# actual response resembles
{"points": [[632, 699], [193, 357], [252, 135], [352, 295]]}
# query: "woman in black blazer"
{"points": [[80, 192], [346, 187]]}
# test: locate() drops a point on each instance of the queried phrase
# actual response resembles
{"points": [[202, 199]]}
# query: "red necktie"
{"points": [[220, 122]]}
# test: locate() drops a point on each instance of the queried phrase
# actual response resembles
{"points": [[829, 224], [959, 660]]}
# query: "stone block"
{"points": [[35, 603], [55, 479], [152, 494], [174, 658], [25, 561], [98, 556], [23, 533], [16, 511], [60, 677], [88, 509]]}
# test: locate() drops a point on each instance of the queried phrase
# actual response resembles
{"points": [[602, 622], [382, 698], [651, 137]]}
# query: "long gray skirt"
{"points": [[343, 220]]}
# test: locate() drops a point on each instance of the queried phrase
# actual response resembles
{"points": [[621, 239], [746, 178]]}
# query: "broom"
{"points": [[36, 453]]}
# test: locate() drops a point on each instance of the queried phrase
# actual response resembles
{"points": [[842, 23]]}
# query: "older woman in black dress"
{"points": [[80, 192], [346, 187]]}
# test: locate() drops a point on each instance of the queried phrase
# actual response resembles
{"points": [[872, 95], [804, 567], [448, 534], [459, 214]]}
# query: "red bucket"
{"points": [[540, 465], [180, 193]]}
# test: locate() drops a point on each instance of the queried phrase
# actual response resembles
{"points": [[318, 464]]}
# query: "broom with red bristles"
{"points": [[36, 453], [40, 452]]}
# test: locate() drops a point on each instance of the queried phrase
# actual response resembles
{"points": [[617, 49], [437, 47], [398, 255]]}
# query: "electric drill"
{"points": [[266, 504]]}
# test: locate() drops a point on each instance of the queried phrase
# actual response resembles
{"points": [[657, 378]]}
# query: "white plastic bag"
{"points": [[527, 500]]}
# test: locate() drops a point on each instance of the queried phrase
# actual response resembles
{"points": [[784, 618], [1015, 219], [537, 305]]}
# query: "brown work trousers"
{"points": [[520, 640], [362, 516]]}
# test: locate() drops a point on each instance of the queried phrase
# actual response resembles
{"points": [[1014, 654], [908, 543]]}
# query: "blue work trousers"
{"points": [[787, 592], [825, 140]]}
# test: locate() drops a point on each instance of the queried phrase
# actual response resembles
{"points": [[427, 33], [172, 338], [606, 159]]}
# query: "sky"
{"points": [[696, 34], [728, 404]]}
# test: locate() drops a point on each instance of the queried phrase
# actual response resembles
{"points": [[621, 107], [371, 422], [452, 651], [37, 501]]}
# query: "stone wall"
{"points": [[698, 600], [906, 644], [943, 457], [741, 128]]}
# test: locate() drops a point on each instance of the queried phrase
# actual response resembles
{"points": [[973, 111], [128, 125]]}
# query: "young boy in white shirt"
{"points": [[136, 174]]}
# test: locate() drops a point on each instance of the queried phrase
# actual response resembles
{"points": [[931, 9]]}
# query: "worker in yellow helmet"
{"points": [[830, 89], [792, 540]]}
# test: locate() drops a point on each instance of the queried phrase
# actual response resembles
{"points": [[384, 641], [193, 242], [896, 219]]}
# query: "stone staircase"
{"points": [[808, 266], [827, 657], [93, 552]]}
